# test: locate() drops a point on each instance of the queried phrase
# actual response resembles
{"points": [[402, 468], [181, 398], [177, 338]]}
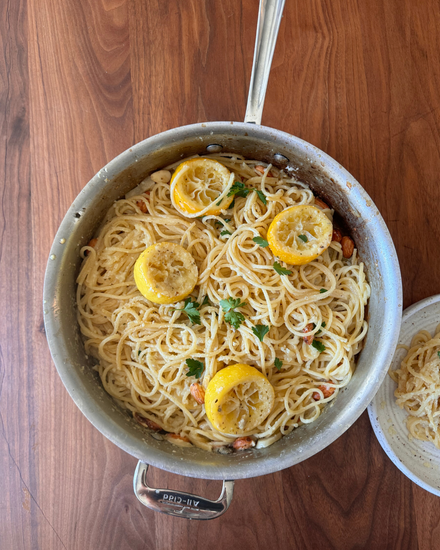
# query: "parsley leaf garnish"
{"points": [[278, 363], [190, 308], [219, 202], [318, 345], [321, 327], [260, 331], [281, 270], [438, 353], [239, 190], [303, 238], [206, 302], [227, 220], [262, 242], [322, 290], [231, 303], [195, 368], [261, 196], [234, 318], [225, 233]]}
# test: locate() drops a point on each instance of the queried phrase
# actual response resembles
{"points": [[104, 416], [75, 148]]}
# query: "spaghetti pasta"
{"points": [[141, 347], [418, 386]]}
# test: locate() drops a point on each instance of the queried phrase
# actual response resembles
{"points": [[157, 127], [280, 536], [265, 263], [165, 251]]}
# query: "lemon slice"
{"points": [[165, 273], [300, 234], [238, 399], [197, 186]]}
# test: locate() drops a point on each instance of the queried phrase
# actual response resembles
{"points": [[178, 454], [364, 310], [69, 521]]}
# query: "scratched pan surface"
{"points": [[326, 178]]}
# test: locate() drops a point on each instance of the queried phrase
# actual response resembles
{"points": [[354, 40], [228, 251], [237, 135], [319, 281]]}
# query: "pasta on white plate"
{"points": [[418, 386], [301, 326]]}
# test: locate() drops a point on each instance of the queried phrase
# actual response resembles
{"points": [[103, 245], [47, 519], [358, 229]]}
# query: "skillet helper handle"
{"points": [[269, 19], [177, 503]]}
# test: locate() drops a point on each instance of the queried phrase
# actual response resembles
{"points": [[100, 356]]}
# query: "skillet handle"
{"points": [[269, 19], [177, 503]]}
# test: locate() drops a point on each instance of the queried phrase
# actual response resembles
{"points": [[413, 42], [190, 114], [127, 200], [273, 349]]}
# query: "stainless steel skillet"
{"points": [[326, 178]]}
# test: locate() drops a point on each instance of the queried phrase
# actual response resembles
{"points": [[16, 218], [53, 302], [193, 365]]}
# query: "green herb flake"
{"points": [[322, 290], [260, 331], [191, 309], [278, 363], [262, 242], [303, 238], [219, 202], [206, 302], [318, 345], [261, 196], [438, 353], [227, 220], [225, 233], [195, 368], [239, 190], [281, 270], [234, 318], [231, 303]]}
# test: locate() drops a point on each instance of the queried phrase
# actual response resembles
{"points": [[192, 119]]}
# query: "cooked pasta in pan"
{"points": [[224, 308]]}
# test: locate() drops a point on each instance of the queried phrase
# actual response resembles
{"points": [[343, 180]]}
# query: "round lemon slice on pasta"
{"points": [[299, 234], [238, 399], [196, 186], [165, 273]]}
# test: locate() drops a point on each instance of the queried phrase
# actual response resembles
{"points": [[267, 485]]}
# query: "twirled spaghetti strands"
{"points": [[418, 386], [141, 347]]}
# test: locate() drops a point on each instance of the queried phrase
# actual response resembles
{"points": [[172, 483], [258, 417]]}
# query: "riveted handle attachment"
{"points": [[177, 503]]}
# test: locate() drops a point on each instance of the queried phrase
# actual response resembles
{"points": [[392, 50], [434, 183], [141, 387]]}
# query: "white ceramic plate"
{"points": [[418, 460]]}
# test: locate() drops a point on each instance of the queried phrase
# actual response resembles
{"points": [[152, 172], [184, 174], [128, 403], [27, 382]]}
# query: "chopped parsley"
{"points": [[195, 368], [438, 353], [260, 331], [239, 190], [261, 196], [318, 345], [303, 238], [223, 233], [322, 290], [281, 270], [206, 302], [191, 309], [262, 242], [321, 327], [234, 318], [278, 363]]}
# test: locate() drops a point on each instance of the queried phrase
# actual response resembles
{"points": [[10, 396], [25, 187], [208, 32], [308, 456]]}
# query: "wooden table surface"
{"points": [[83, 80]]}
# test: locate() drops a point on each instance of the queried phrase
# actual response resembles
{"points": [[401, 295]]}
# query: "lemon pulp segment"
{"points": [[165, 273], [238, 399], [197, 183], [299, 234]]}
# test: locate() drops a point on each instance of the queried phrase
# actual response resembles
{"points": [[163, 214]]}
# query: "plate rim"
{"points": [[373, 412]]}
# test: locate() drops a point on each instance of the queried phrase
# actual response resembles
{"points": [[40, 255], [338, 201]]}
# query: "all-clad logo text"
{"points": [[179, 500]]}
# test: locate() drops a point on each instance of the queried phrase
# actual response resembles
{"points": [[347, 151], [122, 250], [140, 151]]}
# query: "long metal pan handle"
{"points": [[269, 19], [176, 503]]}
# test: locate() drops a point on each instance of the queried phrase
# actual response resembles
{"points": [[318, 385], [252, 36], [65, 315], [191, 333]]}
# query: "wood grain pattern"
{"points": [[82, 81]]}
